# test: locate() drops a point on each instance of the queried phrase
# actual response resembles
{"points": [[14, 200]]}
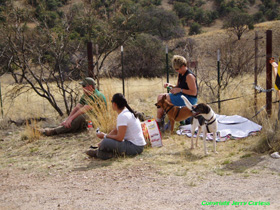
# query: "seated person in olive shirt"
{"points": [[77, 120]]}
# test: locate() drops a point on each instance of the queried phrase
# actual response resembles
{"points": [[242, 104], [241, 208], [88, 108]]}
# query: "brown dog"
{"points": [[175, 113]]}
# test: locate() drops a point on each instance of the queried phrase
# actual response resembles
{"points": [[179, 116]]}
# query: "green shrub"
{"points": [[195, 29], [258, 17], [272, 14], [142, 57]]}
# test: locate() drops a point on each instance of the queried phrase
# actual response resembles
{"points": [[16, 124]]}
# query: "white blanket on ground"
{"points": [[229, 127]]}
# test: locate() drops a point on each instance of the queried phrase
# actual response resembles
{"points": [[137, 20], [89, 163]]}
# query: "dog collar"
{"points": [[169, 109], [211, 121], [207, 124], [210, 118]]}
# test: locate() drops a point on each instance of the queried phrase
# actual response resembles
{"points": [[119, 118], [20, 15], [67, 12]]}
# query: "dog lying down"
{"points": [[205, 119]]}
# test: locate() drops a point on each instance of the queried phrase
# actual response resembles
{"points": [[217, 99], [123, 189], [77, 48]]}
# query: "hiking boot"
{"points": [[49, 132], [92, 153], [40, 130]]}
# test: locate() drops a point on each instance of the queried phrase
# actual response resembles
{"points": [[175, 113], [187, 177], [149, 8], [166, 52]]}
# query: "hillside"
{"points": [[208, 5], [251, 7]]}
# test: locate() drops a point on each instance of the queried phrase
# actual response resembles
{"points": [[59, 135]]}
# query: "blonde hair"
{"points": [[178, 61]]}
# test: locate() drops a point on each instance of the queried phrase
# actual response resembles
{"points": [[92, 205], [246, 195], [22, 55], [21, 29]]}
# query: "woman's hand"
{"points": [[166, 85], [175, 90], [100, 135]]}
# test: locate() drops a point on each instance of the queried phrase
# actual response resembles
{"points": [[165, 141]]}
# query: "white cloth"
{"points": [[134, 132], [229, 127]]}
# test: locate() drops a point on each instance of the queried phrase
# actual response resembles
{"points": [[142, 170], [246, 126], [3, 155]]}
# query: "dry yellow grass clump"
{"points": [[31, 132]]}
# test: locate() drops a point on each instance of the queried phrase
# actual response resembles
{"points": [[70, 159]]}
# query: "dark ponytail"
{"points": [[121, 102], [131, 110]]}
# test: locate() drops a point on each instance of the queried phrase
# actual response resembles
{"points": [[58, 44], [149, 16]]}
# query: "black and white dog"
{"points": [[208, 124]]}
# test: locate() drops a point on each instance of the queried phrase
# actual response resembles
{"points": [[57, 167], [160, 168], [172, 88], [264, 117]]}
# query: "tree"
{"points": [[159, 22], [143, 57], [53, 49], [129, 20], [237, 59], [39, 57], [239, 23]]}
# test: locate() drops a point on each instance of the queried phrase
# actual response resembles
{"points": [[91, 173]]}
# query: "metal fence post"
{"points": [[167, 67], [122, 69], [256, 69], [219, 80], [90, 60], [1, 101], [97, 67], [268, 71]]}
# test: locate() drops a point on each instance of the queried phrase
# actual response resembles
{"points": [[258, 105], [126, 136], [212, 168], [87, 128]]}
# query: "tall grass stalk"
{"points": [[102, 116]]}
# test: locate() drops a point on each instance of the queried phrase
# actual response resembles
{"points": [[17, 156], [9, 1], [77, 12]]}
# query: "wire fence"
{"points": [[139, 89]]}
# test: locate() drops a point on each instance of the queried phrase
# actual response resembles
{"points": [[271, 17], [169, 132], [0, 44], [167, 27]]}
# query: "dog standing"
{"points": [[175, 113], [208, 125]]}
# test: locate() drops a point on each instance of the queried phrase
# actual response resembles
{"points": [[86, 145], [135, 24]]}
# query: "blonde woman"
{"points": [[186, 85]]}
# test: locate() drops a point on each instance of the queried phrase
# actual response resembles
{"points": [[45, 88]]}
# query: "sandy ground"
{"points": [[53, 173], [138, 187]]}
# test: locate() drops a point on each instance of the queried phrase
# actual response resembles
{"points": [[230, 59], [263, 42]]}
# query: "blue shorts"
{"points": [[178, 101]]}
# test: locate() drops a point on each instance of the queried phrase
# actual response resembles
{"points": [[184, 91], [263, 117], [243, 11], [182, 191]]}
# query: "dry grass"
{"points": [[64, 153], [103, 116], [31, 132]]}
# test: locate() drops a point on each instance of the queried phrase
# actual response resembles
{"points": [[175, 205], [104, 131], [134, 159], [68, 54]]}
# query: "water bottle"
{"points": [[168, 89]]}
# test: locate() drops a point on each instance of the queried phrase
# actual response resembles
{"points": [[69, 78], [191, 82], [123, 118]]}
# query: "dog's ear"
{"points": [[164, 97], [206, 108], [158, 106]]}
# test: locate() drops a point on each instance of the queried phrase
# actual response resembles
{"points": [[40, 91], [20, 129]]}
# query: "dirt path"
{"points": [[54, 173], [138, 187]]}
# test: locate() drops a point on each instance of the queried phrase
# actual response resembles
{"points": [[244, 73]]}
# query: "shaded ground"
{"points": [[160, 178]]}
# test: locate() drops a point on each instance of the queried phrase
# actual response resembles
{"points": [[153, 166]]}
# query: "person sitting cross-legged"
{"points": [[126, 139]]}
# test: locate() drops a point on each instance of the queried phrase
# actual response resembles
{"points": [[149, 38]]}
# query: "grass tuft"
{"points": [[102, 116], [31, 132], [268, 142]]}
